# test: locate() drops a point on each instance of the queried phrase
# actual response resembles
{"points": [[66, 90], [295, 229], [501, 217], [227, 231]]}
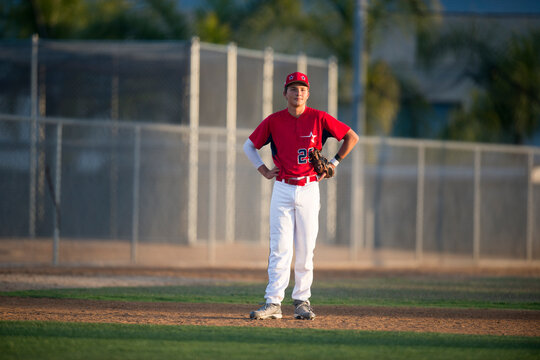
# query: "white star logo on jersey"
{"points": [[310, 136]]}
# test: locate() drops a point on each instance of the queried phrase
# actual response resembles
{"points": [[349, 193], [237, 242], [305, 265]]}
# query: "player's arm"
{"points": [[349, 141], [255, 158]]}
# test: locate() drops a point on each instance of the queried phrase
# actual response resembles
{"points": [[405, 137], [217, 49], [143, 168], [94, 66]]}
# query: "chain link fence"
{"points": [[131, 153]]}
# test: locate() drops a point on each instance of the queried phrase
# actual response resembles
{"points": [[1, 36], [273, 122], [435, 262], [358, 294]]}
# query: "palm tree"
{"points": [[504, 106]]}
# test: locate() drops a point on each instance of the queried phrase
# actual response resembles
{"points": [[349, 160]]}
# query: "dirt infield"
{"points": [[458, 321]]}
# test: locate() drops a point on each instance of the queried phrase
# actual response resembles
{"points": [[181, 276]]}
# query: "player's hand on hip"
{"points": [[269, 174]]}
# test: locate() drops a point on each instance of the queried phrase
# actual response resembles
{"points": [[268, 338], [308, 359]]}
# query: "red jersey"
{"points": [[291, 139]]}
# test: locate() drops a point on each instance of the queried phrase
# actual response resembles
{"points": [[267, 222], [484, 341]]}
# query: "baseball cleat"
{"points": [[267, 311], [303, 310]]}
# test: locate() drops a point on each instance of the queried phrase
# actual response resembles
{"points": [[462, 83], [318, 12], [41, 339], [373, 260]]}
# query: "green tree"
{"points": [[151, 20], [318, 28], [324, 28], [47, 18], [211, 30], [505, 103], [382, 99], [100, 19], [253, 24]]}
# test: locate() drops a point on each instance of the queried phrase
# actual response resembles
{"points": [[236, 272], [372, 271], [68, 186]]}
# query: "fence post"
{"points": [[136, 185], [331, 186], [33, 137], [232, 57], [267, 104], [420, 203], [212, 198], [357, 201], [301, 63], [193, 139], [357, 175], [477, 205], [57, 193], [530, 207]]}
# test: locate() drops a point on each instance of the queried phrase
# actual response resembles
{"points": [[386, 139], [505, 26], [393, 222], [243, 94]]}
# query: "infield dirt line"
{"points": [[457, 321]]}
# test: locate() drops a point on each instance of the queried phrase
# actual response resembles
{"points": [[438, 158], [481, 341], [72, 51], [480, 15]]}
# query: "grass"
{"points": [[50, 340], [53, 340], [424, 291]]}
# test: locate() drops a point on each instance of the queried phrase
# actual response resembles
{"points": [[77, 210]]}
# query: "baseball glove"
{"points": [[320, 164]]}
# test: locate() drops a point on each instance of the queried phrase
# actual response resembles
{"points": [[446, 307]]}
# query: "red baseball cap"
{"points": [[296, 77]]}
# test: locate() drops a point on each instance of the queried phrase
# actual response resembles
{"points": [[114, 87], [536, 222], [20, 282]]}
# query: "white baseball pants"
{"points": [[294, 223]]}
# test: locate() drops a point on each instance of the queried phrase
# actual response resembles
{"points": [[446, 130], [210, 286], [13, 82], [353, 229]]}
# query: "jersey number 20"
{"points": [[303, 155]]}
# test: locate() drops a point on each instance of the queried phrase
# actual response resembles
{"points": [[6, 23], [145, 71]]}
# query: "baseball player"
{"points": [[294, 134]]}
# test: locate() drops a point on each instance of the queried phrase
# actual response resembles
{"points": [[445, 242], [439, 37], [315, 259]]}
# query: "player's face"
{"points": [[297, 94]]}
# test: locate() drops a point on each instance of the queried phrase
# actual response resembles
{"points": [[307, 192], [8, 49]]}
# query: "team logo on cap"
{"points": [[301, 77], [296, 77]]}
